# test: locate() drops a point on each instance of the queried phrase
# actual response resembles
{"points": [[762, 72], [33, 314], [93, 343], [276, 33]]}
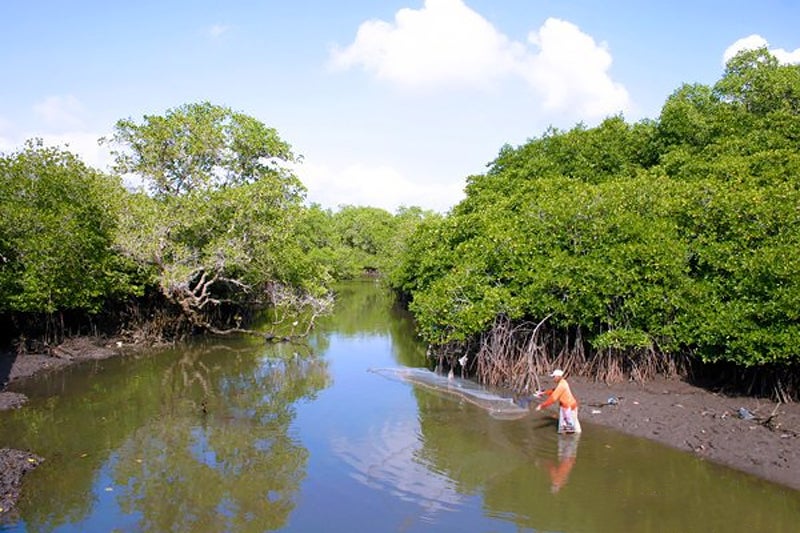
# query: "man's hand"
{"points": [[538, 407]]}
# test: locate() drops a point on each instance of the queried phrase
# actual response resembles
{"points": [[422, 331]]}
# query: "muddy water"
{"points": [[235, 435]]}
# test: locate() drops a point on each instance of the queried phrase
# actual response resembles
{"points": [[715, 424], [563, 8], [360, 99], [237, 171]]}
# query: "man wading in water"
{"points": [[568, 406]]}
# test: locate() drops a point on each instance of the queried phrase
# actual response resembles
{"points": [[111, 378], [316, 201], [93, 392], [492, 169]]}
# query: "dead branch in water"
{"points": [[288, 304]]}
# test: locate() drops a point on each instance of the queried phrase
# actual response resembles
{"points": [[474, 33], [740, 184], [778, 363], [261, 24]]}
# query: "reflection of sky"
{"points": [[386, 459], [368, 426], [201, 450]]}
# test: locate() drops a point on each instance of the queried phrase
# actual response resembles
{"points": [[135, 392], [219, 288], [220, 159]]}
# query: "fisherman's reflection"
{"points": [[567, 454]]}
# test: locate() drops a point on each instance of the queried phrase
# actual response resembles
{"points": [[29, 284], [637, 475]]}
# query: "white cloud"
{"points": [[752, 42], [84, 145], [6, 145], [388, 458], [80, 142], [63, 127], [60, 112], [571, 71], [787, 57], [375, 186], [217, 30], [445, 43]]}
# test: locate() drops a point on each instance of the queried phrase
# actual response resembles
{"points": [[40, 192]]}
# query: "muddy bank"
{"points": [[14, 464], [14, 367], [753, 435]]}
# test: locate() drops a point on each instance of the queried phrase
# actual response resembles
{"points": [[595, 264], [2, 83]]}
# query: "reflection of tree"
{"points": [[74, 419], [367, 308], [147, 415], [229, 466], [408, 349], [360, 308]]}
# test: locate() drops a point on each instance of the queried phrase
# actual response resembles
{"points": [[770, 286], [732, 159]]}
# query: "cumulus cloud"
{"points": [[6, 145], [376, 186], [752, 42], [62, 127], [82, 144], [570, 69], [60, 111], [445, 43], [387, 458]]}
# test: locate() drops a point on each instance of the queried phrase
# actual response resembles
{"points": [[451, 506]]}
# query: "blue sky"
{"points": [[390, 103]]}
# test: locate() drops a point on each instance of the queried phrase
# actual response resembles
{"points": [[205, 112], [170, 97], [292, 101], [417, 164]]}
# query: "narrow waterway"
{"points": [[235, 435]]}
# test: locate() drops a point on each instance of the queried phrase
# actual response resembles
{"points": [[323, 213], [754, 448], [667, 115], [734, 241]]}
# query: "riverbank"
{"points": [[14, 464], [753, 435], [749, 434]]}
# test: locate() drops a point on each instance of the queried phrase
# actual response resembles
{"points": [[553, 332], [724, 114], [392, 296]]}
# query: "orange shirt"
{"points": [[561, 394]]}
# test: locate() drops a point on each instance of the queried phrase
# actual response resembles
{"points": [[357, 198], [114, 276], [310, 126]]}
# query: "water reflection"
{"points": [[366, 308], [228, 466], [560, 469], [390, 458], [526, 476], [191, 440]]}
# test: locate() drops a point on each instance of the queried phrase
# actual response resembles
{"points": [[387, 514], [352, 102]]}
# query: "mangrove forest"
{"points": [[618, 251]]}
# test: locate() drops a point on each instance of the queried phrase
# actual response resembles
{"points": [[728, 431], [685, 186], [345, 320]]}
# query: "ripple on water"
{"points": [[388, 459]]}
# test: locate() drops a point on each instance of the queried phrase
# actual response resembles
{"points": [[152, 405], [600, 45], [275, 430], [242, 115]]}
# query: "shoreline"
{"points": [[753, 435], [15, 463]]}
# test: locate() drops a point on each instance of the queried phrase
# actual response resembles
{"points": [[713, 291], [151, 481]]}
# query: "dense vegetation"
{"points": [[218, 232], [669, 245], [57, 233]]}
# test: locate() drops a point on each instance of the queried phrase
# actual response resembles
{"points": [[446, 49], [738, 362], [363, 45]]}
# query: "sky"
{"points": [[390, 103]]}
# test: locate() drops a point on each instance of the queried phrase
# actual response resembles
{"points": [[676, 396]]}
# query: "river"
{"points": [[238, 435]]}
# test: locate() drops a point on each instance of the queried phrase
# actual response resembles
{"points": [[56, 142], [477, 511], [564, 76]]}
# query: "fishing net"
{"points": [[496, 403]]}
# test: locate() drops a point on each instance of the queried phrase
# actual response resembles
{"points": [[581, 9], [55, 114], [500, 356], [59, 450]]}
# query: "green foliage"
{"points": [[226, 219], [365, 232], [677, 234], [355, 239], [198, 147], [755, 82], [222, 228], [57, 229]]}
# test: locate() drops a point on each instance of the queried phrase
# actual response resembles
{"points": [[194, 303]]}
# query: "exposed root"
{"points": [[514, 355]]}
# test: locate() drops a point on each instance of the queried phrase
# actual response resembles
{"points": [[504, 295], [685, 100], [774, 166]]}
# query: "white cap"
{"points": [[557, 373]]}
